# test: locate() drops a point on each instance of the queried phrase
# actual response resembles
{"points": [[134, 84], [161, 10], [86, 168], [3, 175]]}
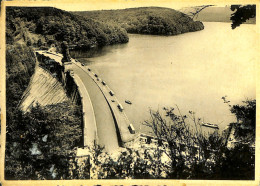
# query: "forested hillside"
{"points": [[33, 27], [147, 20], [36, 140], [45, 24]]}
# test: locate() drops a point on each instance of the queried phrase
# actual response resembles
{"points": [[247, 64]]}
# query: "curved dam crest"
{"points": [[103, 121]]}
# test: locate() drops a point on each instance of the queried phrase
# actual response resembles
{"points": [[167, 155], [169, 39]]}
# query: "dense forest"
{"points": [[38, 25], [146, 20]]}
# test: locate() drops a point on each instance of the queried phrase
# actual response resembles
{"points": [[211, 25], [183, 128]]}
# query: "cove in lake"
{"points": [[192, 70]]}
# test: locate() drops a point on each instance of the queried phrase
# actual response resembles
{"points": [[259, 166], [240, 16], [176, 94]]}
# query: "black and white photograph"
{"points": [[129, 90]]}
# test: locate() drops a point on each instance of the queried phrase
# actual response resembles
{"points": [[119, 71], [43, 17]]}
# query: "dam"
{"points": [[104, 120]]}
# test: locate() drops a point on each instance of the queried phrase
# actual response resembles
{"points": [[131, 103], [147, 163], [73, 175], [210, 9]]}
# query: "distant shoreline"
{"points": [[247, 22]]}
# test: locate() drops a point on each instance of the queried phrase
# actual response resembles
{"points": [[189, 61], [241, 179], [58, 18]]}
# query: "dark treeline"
{"points": [[45, 24], [147, 20]]}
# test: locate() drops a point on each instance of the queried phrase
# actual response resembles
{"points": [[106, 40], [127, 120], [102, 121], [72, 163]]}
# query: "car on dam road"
{"points": [[131, 128], [89, 69], [111, 93], [103, 82], [82, 64], [120, 107], [96, 75]]}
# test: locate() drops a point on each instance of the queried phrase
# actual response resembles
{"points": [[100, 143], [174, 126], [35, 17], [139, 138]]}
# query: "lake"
{"points": [[192, 70]]}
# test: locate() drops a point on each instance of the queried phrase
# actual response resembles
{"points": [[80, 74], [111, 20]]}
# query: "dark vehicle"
{"points": [[111, 93], [120, 107], [96, 75], [131, 128], [128, 102], [103, 82], [89, 69], [82, 64]]}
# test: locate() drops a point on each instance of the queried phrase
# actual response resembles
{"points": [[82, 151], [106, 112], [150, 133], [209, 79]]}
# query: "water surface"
{"points": [[192, 70]]}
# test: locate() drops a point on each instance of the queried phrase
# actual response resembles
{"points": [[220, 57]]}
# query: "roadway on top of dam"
{"points": [[108, 118], [105, 123]]}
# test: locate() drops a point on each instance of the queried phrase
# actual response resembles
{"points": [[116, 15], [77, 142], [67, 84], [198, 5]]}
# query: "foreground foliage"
{"points": [[246, 119], [195, 155], [183, 152], [241, 14], [40, 143]]}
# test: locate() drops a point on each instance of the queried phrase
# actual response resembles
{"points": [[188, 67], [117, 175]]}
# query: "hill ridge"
{"points": [[146, 20]]}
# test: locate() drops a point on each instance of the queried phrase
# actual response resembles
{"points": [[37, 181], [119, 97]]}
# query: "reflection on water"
{"points": [[192, 70], [85, 55]]}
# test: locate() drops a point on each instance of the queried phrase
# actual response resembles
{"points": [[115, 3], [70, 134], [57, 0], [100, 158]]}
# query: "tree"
{"points": [[189, 150], [242, 14], [246, 113], [193, 11], [194, 155], [246, 116]]}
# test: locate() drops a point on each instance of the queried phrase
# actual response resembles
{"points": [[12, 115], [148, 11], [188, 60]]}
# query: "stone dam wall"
{"points": [[43, 89]]}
